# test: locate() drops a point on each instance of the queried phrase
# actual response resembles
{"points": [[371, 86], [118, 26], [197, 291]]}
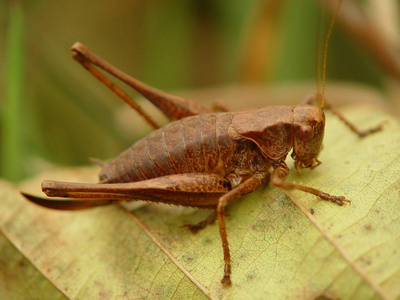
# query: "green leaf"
{"points": [[279, 250]]}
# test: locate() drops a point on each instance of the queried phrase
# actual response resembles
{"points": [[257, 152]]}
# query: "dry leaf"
{"points": [[278, 250]]}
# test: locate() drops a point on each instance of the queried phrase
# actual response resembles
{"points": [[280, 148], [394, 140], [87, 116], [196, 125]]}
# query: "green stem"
{"points": [[11, 144]]}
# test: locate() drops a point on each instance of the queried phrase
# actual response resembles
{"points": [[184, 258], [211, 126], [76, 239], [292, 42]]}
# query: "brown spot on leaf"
{"points": [[368, 227], [207, 242], [251, 277], [325, 296]]}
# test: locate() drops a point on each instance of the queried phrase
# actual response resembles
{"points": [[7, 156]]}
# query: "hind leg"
{"points": [[172, 106]]}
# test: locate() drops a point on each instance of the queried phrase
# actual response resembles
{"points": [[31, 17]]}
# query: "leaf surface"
{"points": [[279, 248]]}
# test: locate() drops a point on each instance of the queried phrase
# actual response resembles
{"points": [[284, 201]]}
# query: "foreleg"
{"points": [[278, 179]]}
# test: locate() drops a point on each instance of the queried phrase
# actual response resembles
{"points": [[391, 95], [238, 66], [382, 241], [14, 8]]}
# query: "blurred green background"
{"points": [[53, 111]]}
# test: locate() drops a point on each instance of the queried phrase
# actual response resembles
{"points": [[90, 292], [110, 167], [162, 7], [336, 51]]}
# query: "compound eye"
{"points": [[306, 132]]}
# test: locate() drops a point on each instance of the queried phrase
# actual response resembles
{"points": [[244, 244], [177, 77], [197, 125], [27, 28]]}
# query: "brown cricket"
{"points": [[203, 159]]}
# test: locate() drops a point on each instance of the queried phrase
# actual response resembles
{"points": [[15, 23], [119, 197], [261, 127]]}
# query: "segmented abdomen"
{"points": [[198, 144]]}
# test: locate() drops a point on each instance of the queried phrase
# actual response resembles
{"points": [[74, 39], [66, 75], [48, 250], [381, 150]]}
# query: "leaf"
{"points": [[278, 250]]}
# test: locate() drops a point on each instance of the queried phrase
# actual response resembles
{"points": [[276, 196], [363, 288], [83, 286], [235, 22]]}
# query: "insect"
{"points": [[203, 159]]}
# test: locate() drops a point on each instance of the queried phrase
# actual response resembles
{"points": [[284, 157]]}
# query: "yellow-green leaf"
{"points": [[281, 249]]}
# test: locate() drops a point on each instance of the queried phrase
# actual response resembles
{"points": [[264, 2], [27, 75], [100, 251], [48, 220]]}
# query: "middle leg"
{"points": [[248, 186]]}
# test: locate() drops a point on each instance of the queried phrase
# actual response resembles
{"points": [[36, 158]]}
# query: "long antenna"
{"points": [[318, 61], [325, 53]]}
